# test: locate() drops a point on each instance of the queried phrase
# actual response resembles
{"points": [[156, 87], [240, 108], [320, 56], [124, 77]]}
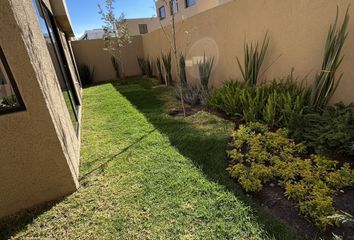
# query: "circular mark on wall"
{"points": [[195, 54]]}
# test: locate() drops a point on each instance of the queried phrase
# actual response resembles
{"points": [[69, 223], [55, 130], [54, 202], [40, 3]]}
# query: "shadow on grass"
{"points": [[15, 223], [206, 150]]}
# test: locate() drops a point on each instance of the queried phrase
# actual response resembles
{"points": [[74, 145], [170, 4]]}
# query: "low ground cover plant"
{"points": [[259, 156]]}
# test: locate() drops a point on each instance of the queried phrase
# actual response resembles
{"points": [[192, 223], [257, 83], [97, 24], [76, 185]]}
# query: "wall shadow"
{"points": [[11, 225], [207, 151]]}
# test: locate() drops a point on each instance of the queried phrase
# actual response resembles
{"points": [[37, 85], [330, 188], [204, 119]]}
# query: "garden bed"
{"points": [[272, 200]]}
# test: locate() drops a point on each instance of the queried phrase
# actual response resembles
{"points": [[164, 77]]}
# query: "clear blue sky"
{"points": [[84, 13]]}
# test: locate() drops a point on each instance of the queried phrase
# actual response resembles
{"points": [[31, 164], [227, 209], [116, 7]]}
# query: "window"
{"points": [[56, 50], [190, 3], [143, 28], [10, 99], [162, 12], [174, 6]]}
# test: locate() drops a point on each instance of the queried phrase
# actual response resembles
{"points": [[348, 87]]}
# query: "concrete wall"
{"points": [[133, 25], [298, 31], [93, 54], [39, 148]]}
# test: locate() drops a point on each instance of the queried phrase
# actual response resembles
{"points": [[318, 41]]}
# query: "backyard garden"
{"points": [[292, 148], [164, 157]]}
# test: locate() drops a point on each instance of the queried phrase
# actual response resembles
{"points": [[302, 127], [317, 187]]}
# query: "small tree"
{"points": [[116, 33], [173, 46]]}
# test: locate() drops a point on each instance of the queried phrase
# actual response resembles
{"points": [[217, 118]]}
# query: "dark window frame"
{"points": [[174, 7], [143, 26], [164, 11], [189, 4], [62, 61], [8, 72]]}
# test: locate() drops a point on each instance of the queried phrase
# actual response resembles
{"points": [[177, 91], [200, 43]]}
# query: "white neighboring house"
{"points": [[136, 26], [92, 34]]}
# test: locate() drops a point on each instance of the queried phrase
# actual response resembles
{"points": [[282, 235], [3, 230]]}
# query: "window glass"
{"points": [[143, 28], [162, 12], [174, 6], [10, 100], [190, 3], [55, 48]]}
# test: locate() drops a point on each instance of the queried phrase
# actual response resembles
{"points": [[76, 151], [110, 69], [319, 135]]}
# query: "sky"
{"points": [[84, 13]]}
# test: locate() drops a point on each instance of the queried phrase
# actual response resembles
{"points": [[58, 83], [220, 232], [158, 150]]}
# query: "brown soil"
{"points": [[178, 113], [273, 201]]}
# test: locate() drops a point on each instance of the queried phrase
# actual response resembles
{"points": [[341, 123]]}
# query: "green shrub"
{"points": [[182, 70], [227, 97], [325, 82], [253, 59], [205, 67], [86, 74], [280, 103], [149, 67], [142, 65], [252, 101], [116, 67], [159, 70], [330, 131], [258, 155], [191, 94], [166, 60]]}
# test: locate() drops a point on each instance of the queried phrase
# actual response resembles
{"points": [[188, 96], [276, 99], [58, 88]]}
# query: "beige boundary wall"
{"points": [[298, 31], [93, 54]]}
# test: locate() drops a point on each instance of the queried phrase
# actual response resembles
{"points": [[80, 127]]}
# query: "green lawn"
{"points": [[146, 175]]}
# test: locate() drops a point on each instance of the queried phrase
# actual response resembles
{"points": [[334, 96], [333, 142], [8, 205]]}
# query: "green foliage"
{"points": [[116, 31], [227, 97], [259, 156], [149, 67], [182, 70], [253, 59], [330, 131], [86, 74], [205, 67], [116, 67], [142, 65], [191, 94], [281, 103], [325, 82], [252, 104], [9, 101], [167, 63], [159, 70], [341, 178]]}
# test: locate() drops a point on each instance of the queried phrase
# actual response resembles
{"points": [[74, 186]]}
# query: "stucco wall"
{"points": [[39, 149], [298, 31], [92, 53], [133, 25]]}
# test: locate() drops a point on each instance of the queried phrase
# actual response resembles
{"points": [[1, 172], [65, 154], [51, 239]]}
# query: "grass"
{"points": [[146, 175]]}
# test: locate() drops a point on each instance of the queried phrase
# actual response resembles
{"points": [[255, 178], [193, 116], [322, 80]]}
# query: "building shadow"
{"points": [[207, 151], [11, 225]]}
